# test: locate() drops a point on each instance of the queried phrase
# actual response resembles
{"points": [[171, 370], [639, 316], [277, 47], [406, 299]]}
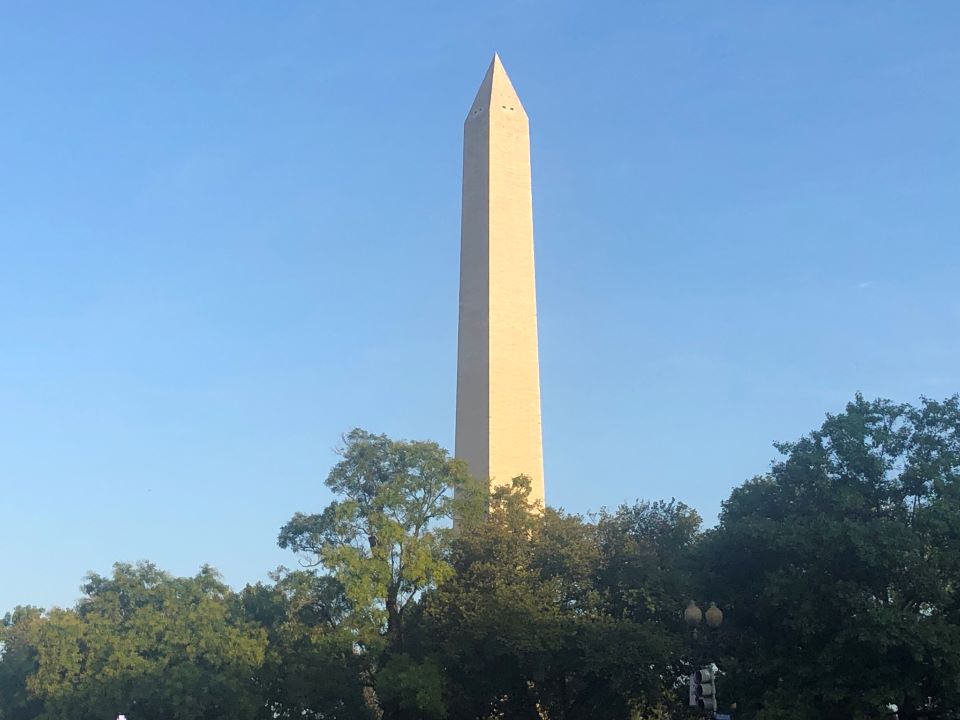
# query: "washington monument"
{"points": [[498, 375]]}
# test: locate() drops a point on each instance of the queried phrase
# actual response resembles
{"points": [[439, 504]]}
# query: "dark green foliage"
{"points": [[19, 662], [311, 670], [526, 627], [839, 569], [412, 688]]}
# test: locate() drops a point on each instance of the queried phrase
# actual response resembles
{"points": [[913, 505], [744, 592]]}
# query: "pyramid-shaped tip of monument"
{"points": [[497, 74], [496, 89]]}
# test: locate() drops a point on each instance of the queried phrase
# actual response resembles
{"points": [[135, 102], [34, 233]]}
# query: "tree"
{"points": [[149, 645], [383, 538], [648, 569], [18, 660], [648, 572], [311, 670], [839, 570], [524, 627]]}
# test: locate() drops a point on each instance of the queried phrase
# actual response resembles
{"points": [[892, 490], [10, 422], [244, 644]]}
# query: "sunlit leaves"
{"points": [[383, 535]]}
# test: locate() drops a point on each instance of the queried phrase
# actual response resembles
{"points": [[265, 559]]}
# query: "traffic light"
{"points": [[704, 689]]}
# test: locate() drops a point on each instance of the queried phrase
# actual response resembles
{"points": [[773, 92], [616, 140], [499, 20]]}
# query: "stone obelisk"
{"points": [[498, 377]]}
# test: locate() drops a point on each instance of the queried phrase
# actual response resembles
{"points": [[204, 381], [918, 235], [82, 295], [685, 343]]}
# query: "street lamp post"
{"points": [[702, 680]]}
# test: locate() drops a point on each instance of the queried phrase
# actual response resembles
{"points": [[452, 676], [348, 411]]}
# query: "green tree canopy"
{"points": [[150, 645], [531, 626], [311, 670], [383, 537], [18, 661], [384, 540], [839, 570]]}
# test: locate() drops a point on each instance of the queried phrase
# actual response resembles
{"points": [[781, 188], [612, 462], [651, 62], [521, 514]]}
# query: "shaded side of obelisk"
{"points": [[498, 377]]}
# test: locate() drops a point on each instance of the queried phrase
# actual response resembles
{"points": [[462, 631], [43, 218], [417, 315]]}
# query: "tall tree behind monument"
{"points": [[498, 377]]}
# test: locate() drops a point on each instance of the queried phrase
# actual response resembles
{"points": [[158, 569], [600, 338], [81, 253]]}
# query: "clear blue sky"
{"points": [[229, 233]]}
